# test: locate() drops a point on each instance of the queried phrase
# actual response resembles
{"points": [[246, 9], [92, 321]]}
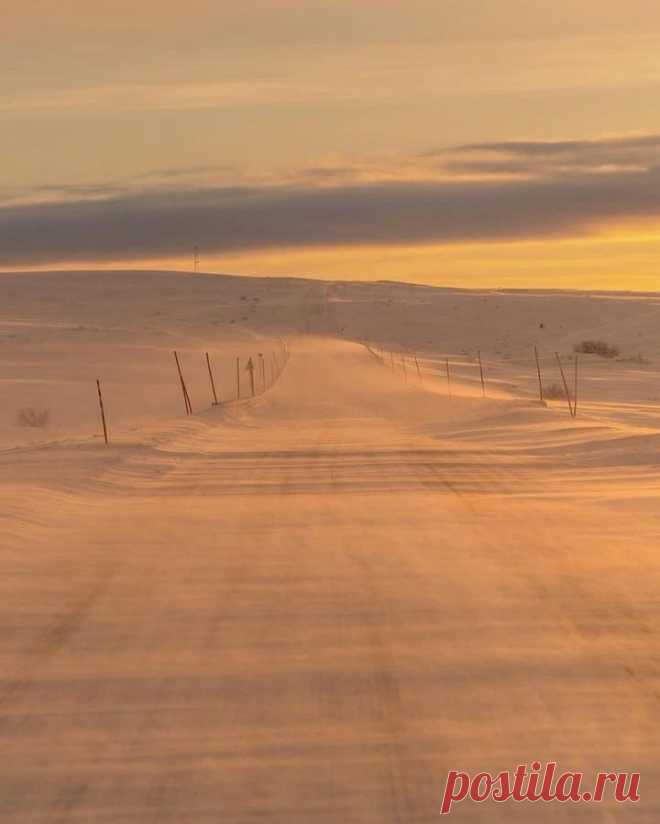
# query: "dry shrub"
{"points": [[554, 392], [638, 359], [36, 418], [597, 347]]}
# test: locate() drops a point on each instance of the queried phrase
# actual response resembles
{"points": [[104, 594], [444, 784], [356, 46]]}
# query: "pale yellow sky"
{"points": [[106, 101]]}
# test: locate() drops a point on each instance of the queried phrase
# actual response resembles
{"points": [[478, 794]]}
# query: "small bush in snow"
{"points": [[597, 347], [554, 392], [36, 418]]}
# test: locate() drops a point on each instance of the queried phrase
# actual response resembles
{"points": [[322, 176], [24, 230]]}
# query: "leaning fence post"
{"points": [[105, 428], [538, 369], [215, 394], [250, 369], [186, 397], [481, 372], [419, 371], [575, 390], [563, 377]]}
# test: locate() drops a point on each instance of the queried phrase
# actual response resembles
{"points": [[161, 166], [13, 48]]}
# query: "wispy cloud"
{"points": [[178, 97], [165, 178], [541, 148], [544, 158], [178, 172]]}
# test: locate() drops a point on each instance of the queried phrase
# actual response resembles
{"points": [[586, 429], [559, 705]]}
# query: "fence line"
{"points": [[391, 357], [278, 361]]}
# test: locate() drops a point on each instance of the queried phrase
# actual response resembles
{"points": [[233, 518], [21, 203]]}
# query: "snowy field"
{"points": [[311, 605]]}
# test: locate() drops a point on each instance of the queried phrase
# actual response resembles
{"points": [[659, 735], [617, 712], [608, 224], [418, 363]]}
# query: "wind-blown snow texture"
{"points": [[311, 605]]}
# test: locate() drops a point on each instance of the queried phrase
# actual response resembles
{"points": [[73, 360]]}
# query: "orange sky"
{"points": [[157, 103]]}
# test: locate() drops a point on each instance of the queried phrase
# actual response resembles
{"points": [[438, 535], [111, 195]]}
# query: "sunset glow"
{"points": [[522, 141]]}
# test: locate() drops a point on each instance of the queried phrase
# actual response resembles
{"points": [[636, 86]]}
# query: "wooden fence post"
{"points": [[105, 428], [215, 394], [186, 396], [563, 377], [250, 369], [575, 390], [481, 372], [538, 369]]}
